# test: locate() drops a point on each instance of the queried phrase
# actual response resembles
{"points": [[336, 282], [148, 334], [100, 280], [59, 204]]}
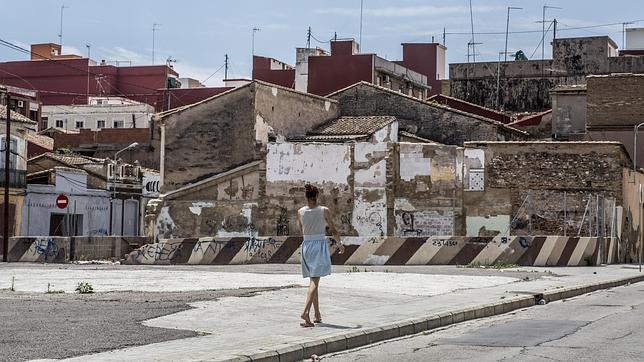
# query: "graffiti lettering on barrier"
{"points": [[525, 242], [159, 252], [212, 245], [45, 247], [444, 242], [261, 248]]}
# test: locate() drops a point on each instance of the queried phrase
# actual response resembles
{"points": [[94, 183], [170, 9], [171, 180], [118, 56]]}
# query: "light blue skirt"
{"points": [[316, 260]]}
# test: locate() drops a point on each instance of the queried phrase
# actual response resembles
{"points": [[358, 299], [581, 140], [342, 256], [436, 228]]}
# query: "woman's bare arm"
{"points": [[328, 216], [299, 222]]}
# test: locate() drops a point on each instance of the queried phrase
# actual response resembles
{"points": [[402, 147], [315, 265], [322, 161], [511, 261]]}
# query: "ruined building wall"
{"points": [[288, 112], [428, 190], [423, 119], [525, 85], [222, 208], [528, 188], [209, 138], [234, 128], [288, 167], [615, 101], [631, 219]]}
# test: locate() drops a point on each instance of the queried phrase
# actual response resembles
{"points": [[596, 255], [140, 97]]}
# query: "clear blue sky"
{"points": [[199, 32]]}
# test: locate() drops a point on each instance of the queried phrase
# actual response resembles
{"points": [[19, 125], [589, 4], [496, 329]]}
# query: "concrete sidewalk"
{"points": [[267, 325]]}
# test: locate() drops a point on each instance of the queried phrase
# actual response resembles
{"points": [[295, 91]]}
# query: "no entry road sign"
{"points": [[62, 201]]}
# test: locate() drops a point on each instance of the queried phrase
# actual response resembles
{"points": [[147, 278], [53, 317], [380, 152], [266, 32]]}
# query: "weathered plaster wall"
{"points": [[223, 207], [233, 128], [569, 114], [632, 217], [288, 112], [428, 192], [210, 137], [369, 216], [543, 189], [289, 166], [421, 118]]}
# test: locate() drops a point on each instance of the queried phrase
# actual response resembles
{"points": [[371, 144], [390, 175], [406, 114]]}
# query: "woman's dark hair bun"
{"points": [[310, 190]]}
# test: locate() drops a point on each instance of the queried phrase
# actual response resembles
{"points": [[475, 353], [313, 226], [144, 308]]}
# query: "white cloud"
{"points": [[410, 11], [69, 49], [122, 54]]}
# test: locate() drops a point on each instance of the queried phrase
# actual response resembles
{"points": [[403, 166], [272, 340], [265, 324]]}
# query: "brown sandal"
{"points": [[307, 322]]}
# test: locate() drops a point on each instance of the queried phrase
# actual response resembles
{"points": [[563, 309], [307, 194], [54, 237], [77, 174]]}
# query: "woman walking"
{"points": [[316, 260]]}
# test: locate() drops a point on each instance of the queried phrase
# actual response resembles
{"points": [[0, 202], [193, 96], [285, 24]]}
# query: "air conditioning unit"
{"points": [[21, 104]]}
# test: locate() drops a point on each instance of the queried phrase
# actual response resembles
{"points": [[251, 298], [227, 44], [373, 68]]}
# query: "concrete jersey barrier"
{"points": [[455, 250]]}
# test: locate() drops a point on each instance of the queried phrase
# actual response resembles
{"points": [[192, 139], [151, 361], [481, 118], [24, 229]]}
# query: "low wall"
{"points": [[527, 251], [53, 249]]}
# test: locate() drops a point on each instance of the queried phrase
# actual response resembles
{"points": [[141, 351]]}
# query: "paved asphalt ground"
{"points": [[601, 326], [37, 326], [149, 312]]}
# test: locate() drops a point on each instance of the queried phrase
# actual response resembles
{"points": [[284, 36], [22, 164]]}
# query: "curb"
{"points": [[299, 352]]}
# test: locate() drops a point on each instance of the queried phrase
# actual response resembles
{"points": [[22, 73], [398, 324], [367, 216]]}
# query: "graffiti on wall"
{"points": [[45, 248], [282, 222], [424, 223]]}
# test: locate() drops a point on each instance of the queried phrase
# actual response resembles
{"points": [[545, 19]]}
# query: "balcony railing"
{"points": [[17, 178]]}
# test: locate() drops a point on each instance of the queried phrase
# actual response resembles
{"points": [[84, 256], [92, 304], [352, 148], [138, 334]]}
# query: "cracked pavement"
{"points": [[604, 325]]}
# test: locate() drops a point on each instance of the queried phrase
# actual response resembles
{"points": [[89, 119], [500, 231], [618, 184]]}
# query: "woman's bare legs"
{"points": [[316, 306], [311, 295]]}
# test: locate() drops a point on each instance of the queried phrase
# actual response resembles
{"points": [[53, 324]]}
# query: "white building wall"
{"points": [[129, 115]]}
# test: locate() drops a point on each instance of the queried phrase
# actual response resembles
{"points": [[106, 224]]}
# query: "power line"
{"points": [[538, 31]]}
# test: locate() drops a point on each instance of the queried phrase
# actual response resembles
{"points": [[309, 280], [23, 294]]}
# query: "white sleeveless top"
{"points": [[313, 222]]}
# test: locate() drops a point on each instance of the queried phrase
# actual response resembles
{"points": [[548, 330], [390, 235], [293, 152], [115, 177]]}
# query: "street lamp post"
{"points": [[7, 169], [543, 29], [635, 145], [135, 144], [507, 28]]}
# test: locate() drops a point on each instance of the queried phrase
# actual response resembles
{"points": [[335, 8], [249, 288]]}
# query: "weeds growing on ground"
{"points": [[497, 265], [85, 288], [53, 291]]}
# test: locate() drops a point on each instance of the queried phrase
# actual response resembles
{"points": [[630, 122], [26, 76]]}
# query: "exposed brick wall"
{"points": [[547, 187], [616, 100], [112, 136], [525, 85]]}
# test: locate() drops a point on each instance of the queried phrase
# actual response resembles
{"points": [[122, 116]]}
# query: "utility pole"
{"points": [[543, 29], [60, 35], [226, 67], [154, 30], [443, 36], [7, 169], [255, 30], [308, 38], [507, 28], [89, 46], [554, 30], [361, 8], [472, 24]]}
